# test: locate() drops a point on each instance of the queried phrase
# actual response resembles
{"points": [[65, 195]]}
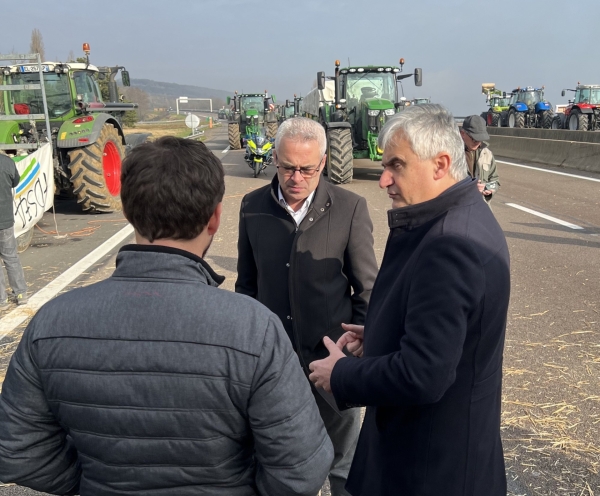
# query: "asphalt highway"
{"points": [[551, 400]]}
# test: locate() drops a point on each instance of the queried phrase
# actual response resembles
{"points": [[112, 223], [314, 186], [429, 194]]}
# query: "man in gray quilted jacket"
{"points": [[155, 381]]}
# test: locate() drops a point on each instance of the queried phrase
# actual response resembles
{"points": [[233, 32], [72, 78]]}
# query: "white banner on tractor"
{"points": [[35, 192]]}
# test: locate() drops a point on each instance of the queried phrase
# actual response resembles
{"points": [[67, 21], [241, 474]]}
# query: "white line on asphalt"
{"points": [[544, 216], [575, 176], [22, 313], [226, 150]]}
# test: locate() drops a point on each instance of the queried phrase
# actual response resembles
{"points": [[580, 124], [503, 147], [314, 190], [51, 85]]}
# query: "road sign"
{"points": [[183, 99], [192, 121]]}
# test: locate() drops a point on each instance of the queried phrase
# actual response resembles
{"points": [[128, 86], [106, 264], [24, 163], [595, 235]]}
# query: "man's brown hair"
{"points": [[170, 188]]}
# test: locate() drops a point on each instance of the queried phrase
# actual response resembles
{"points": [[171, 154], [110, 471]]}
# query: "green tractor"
{"points": [[290, 109], [62, 103], [249, 113], [353, 106], [498, 103]]}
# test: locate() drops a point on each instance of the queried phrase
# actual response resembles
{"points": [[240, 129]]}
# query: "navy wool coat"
{"points": [[432, 368]]}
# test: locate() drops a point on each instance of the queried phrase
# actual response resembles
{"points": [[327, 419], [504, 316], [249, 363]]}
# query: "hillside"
{"points": [[172, 90]]}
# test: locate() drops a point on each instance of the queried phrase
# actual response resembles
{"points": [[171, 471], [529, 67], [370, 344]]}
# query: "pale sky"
{"points": [[279, 45]]}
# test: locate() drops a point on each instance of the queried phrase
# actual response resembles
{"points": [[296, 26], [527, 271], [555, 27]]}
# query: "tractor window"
{"points": [[361, 86], [58, 94], [86, 86], [531, 97], [588, 95], [252, 103]]}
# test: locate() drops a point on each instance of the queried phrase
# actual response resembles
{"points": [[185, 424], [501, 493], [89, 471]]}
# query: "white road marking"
{"points": [[35, 302], [575, 176], [544, 216], [226, 150]]}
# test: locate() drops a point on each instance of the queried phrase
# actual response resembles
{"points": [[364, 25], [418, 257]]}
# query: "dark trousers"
{"points": [[343, 432]]}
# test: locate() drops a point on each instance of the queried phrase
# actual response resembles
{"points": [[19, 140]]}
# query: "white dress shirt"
{"points": [[302, 211]]}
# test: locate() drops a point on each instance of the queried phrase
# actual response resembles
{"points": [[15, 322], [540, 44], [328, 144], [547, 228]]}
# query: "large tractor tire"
{"points": [[96, 172], [495, 120], [339, 155], [24, 240], [558, 122], [271, 129], [516, 119], [233, 130], [547, 118], [578, 121]]}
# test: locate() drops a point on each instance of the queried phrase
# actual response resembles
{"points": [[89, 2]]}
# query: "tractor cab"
{"points": [[587, 94], [64, 85], [499, 102], [370, 93], [420, 101]]}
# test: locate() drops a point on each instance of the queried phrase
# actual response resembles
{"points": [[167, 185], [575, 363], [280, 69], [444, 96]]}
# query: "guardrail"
{"points": [[571, 149]]}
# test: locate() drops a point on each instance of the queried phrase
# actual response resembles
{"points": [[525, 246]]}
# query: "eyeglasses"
{"points": [[306, 172]]}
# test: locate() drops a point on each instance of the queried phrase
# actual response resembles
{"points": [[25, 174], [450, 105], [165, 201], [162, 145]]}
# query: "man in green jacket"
{"points": [[480, 159]]}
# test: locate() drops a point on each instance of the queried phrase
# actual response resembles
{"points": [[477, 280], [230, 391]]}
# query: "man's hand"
{"points": [[321, 369], [482, 190], [352, 339]]}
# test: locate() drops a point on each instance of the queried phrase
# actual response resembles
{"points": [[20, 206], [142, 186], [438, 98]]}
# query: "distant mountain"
{"points": [[172, 90]]}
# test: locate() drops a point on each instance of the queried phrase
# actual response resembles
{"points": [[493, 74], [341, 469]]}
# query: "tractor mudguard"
{"points": [[586, 110], [542, 106], [8, 129], [334, 125], [70, 133], [520, 107]]}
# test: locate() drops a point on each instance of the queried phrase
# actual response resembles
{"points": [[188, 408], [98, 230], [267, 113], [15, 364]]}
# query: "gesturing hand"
{"points": [[352, 339], [321, 369]]}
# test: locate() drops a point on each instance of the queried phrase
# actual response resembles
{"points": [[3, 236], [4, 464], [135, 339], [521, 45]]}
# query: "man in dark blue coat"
{"points": [[431, 369]]}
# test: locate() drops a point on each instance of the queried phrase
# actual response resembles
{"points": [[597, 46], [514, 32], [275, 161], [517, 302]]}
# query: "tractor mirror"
{"points": [[101, 76], [287, 104], [125, 78], [273, 98], [266, 104], [504, 94], [562, 93], [418, 77], [321, 80], [228, 100]]}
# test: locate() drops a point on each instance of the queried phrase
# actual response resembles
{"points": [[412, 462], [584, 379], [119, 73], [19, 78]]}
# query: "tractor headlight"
{"points": [[373, 113], [389, 111]]}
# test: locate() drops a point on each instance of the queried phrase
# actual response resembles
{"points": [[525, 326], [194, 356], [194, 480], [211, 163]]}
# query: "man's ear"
{"points": [[215, 220], [442, 162]]}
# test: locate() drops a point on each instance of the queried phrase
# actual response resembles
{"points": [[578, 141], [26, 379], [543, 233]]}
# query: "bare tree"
{"points": [[37, 43], [71, 57]]}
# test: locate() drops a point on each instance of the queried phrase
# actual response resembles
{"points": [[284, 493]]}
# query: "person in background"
{"points": [[9, 179], [480, 159]]}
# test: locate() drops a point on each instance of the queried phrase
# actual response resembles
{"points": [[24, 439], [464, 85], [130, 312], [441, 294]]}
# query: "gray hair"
{"points": [[429, 129], [302, 129]]}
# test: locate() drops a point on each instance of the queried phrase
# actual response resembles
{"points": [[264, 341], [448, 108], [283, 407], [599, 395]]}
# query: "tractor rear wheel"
{"points": [[516, 119], [558, 121], [233, 130], [495, 120], [578, 121], [547, 118], [271, 129], [339, 155], [96, 172]]}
